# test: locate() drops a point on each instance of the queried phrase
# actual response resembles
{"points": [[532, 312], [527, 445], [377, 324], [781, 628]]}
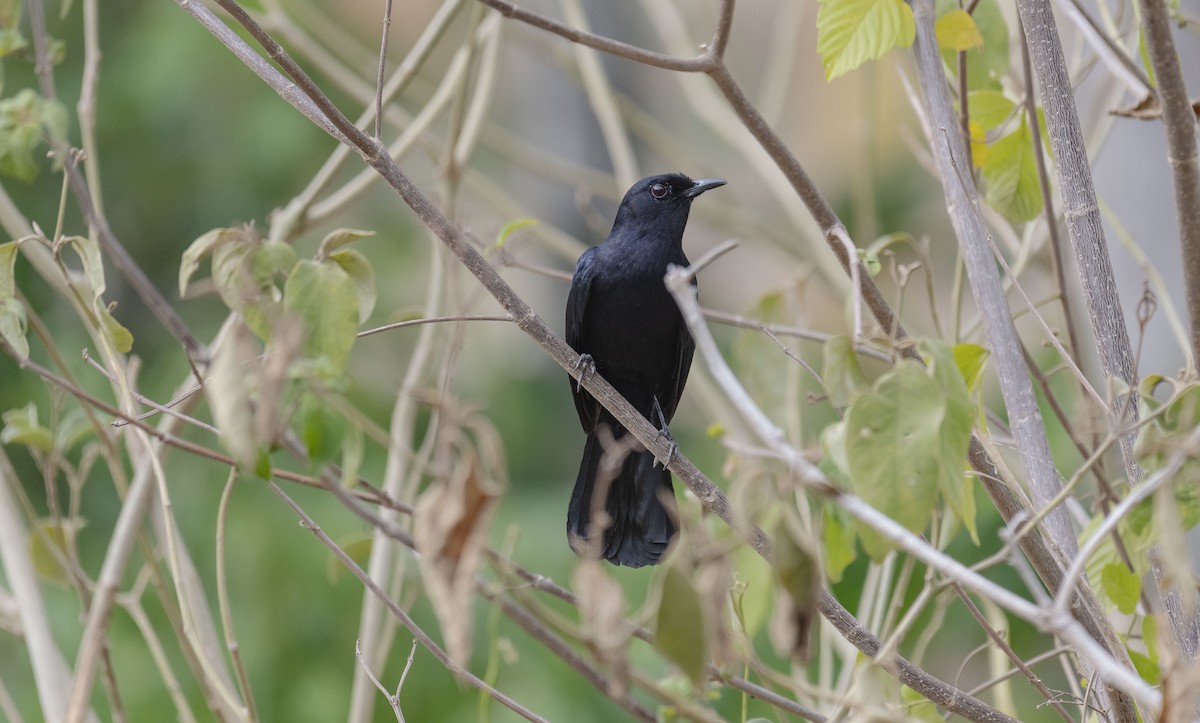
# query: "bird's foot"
{"points": [[586, 366], [664, 431]]}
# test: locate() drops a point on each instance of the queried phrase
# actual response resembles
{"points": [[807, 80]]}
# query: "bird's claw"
{"points": [[664, 431], [671, 451], [586, 366]]}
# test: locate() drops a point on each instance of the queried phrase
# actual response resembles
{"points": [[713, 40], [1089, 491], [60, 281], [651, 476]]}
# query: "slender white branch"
{"points": [[678, 280], [1046, 618]]}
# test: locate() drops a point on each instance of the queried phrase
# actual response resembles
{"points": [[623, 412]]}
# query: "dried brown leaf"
{"points": [[602, 610], [450, 532]]}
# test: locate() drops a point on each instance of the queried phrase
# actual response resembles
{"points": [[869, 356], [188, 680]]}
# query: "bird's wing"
{"points": [[585, 405], [687, 347]]}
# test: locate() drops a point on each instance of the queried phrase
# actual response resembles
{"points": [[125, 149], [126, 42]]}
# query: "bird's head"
{"points": [[662, 199]]}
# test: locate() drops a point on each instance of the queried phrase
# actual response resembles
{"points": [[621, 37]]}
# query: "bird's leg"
{"points": [[664, 431], [586, 366]]}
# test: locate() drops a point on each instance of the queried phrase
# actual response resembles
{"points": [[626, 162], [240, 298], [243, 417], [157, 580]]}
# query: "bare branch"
{"points": [[309, 524]]}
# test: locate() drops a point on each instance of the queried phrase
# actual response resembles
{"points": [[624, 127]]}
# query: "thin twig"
{"points": [[309, 524], [235, 653], [383, 43], [1003, 645], [432, 320], [393, 700]]}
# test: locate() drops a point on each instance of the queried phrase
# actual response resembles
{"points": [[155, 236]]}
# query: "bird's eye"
{"points": [[659, 191]]}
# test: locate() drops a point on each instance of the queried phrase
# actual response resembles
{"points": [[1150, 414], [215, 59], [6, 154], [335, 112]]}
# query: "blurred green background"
{"points": [[189, 140]]}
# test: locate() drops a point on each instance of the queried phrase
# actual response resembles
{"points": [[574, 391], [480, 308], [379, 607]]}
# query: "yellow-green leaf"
{"points": [[1012, 178], [979, 149], [970, 359], [851, 32], [956, 30], [989, 108], [837, 537], [1121, 585]]}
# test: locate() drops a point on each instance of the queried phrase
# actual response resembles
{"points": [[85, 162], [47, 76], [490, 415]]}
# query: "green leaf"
{"points": [[72, 429], [244, 271], [841, 372], [49, 542], [89, 255], [337, 239], [359, 269], [121, 338], [679, 630], [13, 323], [21, 427], [956, 30], [870, 259], [987, 65], [1012, 177], [837, 537], [955, 433], [1146, 668], [989, 108], [325, 298], [8, 266], [13, 326], [319, 430], [893, 447], [753, 591], [1121, 585], [851, 32], [93, 265], [971, 359], [918, 707], [200, 248], [834, 463], [11, 41], [25, 120]]}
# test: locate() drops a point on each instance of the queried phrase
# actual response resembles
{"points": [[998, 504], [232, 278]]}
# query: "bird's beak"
{"points": [[704, 184]]}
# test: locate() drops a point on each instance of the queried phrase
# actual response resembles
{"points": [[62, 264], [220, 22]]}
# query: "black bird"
{"points": [[626, 326]]}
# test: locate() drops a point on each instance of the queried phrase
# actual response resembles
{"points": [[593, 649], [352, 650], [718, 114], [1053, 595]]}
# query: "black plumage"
{"points": [[621, 317]]}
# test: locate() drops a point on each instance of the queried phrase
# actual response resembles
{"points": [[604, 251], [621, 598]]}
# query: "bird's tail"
{"points": [[639, 525]]}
